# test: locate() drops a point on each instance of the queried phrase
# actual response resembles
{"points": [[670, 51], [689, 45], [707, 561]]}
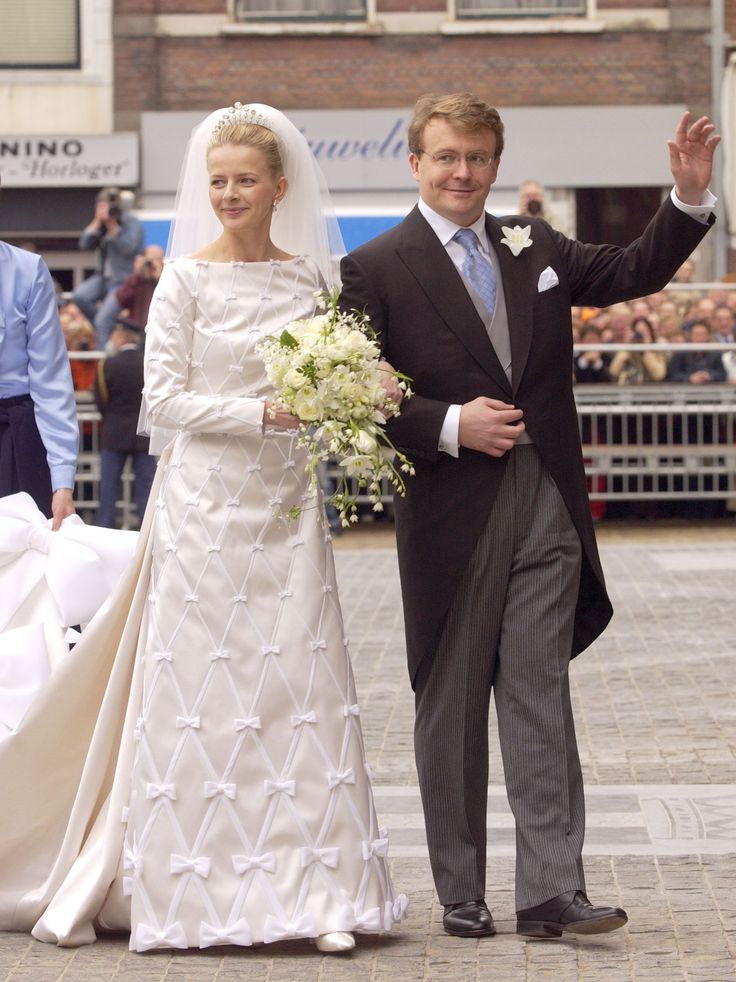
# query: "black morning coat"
{"points": [[431, 331]]}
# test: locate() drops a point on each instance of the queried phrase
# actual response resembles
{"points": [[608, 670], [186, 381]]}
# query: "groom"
{"points": [[500, 573]]}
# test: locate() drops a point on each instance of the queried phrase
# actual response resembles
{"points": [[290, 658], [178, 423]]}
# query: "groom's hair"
{"points": [[461, 109]]}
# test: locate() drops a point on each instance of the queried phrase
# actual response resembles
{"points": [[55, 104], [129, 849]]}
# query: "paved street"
{"points": [[656, 718]]}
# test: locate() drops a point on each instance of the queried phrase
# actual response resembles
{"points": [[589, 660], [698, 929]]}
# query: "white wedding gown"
{"points": [[194, 771]]}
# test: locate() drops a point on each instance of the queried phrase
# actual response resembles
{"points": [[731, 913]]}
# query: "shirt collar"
{"points": [[445, 229]]}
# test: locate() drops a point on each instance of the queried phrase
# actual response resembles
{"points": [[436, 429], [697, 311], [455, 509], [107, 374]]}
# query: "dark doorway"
{"points": [[614, 215]]}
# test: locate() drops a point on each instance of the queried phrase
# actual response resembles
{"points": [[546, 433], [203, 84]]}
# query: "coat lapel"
{"points": [[518, 288], [425, 257]]}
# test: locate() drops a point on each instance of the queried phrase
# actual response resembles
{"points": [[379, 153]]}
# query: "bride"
{"points": [[194, 771]]}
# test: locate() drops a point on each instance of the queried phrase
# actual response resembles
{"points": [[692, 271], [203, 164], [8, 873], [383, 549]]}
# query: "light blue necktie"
{"points": [[478, 271]]}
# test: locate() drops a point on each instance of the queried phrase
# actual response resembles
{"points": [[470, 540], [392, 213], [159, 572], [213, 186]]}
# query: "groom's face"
{"points": [[455, 170]]}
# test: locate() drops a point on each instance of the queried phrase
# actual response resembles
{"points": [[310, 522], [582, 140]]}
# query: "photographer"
{"points": [[637, 367], [119, 238], [134, 295], [533, 204], [531, 199]]}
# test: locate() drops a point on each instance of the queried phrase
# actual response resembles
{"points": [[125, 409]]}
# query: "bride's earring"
{"points": [[275, 205]]}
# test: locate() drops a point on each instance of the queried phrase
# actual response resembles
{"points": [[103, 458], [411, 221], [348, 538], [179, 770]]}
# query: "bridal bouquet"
{"points": [[325, 370]]}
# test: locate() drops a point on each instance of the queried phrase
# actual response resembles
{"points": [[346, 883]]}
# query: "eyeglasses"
{"points": [[446, 160]]}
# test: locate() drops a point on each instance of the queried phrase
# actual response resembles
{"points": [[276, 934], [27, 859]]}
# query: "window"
{"points": [[300, 10], [509, 8], [39, 34]]}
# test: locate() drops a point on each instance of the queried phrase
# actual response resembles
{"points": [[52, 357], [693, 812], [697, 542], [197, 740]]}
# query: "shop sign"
{"points": [[69, 161]]}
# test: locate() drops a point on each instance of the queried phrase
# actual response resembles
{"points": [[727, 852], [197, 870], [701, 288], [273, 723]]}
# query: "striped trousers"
{"points": [[509, 630]]}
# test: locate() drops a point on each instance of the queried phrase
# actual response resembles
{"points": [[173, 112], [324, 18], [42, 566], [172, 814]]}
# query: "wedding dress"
{"points": [[194, 771]]}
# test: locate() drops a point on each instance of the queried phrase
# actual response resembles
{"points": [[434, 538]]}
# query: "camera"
{"points": [[534, 207], [112, 197]]}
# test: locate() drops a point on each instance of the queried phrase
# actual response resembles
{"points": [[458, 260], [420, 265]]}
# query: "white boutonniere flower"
{"points": [[517, 238]]}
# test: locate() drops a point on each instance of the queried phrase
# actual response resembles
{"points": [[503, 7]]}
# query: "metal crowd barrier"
{"points": [[87, 490], [660, 441], [651, 441]]}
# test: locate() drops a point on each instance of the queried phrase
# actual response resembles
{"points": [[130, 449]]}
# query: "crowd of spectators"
{"points": [[681, 316]]}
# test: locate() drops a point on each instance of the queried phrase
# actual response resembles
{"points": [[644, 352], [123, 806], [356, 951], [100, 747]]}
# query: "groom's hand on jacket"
{"points": [[489, 426]]}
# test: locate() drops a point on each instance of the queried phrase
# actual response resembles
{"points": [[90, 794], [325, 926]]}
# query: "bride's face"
{"points": [[243, 188]]}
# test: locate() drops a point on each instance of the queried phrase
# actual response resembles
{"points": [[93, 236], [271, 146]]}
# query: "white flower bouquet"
{"points": [[326, 371]]}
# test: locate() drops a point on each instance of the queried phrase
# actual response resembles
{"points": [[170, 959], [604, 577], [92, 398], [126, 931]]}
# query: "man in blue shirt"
{"points": [[39, 434]]}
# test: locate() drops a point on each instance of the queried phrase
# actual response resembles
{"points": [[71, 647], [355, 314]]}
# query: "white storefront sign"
{"points": [[69, 161], [365, 149]]}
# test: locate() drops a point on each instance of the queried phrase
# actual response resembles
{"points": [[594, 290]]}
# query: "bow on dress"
{"points": [[79, 565], [49, 581]]}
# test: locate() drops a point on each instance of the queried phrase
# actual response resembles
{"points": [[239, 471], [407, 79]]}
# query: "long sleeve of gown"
{"points": [[169, 359]]}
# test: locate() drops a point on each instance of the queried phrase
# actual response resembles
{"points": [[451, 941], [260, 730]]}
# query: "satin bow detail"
{"points": [[310, 717], [275, 787], [398, 908], [161, 791], [250, 723], [211, 788], [183, 864], [301, 927], [340, 777], [244, 864], [328, 857], [370, 920], [171, 937], [377, 847], [80, 563], [352, 710], [237, 933], [132, 861], [183, 721]]}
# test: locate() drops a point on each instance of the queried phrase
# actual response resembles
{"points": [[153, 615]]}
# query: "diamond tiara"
{"points": [[241, 115]]}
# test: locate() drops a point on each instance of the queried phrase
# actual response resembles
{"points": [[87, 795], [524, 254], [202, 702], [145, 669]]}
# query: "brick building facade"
{"points": [[596, 85], [195, 55], [191, 54]]}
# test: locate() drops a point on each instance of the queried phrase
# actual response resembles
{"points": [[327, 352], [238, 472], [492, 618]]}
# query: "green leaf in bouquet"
{"points": [[287, 340]]}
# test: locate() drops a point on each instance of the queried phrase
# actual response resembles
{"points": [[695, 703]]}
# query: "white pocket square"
{"points": [[547, 279]]}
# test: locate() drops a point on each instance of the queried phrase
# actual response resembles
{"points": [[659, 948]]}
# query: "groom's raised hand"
{"points": [[691, 158], [490, 426]]}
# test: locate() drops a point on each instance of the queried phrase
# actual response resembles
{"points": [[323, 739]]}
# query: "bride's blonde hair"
{"points": [[250, 135]]}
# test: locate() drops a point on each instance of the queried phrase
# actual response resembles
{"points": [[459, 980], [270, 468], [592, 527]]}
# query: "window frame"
{"points": [[296, 17], [65, 66], [519, 13]]}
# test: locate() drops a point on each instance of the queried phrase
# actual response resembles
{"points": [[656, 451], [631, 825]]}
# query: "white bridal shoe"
{"points": [[335, 942]]}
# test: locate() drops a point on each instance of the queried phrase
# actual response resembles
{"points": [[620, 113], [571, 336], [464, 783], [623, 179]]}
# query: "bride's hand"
{"points": [[275, 415], [389, 383]]}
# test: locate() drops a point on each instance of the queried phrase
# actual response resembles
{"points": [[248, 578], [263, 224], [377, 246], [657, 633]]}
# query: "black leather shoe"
{"points": [[470, 919], [571, 913]]}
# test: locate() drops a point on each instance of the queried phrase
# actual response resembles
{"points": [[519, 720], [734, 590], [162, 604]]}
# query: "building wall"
{"points": [[43, 100], [179, 71], [317, 72]]}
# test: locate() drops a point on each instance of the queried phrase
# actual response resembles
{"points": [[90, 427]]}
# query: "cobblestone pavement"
{"points": [[656, 715]]}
